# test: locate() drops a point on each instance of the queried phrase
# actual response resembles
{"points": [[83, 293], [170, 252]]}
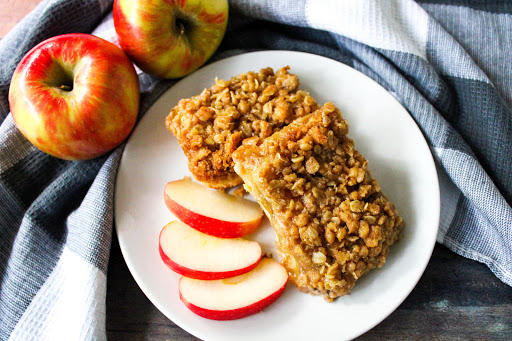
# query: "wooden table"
{"points": [[12, 11], [456, 299]]}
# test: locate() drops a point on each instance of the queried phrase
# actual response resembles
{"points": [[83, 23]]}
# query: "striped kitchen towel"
{"points": [[447, 61]]}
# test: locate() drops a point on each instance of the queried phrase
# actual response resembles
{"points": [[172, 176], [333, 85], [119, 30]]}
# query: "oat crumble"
{"points": [[331, 218], [212, 125]]}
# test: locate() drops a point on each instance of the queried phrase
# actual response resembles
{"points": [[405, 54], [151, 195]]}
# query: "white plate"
{"points": [[383, 132]]}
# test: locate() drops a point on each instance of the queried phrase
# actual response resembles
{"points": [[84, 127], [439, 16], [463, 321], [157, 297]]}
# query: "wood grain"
{"points": [[12, 11], [456, 299]]}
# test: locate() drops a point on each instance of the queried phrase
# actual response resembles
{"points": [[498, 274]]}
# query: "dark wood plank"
{"points": [[12, 11], [456, 299]]}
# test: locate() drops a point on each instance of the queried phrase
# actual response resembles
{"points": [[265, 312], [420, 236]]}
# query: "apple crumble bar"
{"points": [[212, 125], [333, 223]]}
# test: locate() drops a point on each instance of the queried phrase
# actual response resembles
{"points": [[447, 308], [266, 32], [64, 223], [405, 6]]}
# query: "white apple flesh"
{"points": [[236, 297], [210, 211], [197, 255]]}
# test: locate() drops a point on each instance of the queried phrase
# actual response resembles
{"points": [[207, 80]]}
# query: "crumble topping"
{"points": [[333, 223], [250, 106]]}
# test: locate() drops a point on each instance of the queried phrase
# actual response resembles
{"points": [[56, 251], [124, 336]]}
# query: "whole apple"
{"points": [[75, 96], [170, 38]]}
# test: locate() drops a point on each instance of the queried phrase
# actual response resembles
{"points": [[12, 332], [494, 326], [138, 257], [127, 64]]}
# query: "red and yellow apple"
{"points": [[170, 38], [210, 211], [236, 297], [75, 96], [197, 255]]}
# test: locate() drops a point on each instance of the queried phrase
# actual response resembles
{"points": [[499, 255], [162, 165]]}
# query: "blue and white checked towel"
{"points": [[448, 62]]}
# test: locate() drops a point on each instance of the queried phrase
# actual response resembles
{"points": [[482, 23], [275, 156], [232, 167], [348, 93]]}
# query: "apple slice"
{"points": [[197, 255], [236, 297], [210, 211]]}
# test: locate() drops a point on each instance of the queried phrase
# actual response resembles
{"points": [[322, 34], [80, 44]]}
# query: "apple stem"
{"points": [[181, 27], [65, 87]]}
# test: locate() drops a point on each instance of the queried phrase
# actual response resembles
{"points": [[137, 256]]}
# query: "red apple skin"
{"points": [[224, 315], [91, 119], [148, 31], [212, 226], [191, 273]]}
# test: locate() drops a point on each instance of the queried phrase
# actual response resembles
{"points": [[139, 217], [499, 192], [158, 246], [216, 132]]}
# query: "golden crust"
{"points": [[333, 223], [212, 125]]}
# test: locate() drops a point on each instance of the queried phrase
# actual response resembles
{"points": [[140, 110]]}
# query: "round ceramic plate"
{"points": [[383, 132]]}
